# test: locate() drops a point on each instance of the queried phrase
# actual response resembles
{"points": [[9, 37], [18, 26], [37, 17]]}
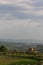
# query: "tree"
{"points": [[3, 49]]}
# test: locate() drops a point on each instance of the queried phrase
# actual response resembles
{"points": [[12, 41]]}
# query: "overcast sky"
{"points": [[21, 19]]}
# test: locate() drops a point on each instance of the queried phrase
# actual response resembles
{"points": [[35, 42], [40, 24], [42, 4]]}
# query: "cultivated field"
{"points": [[17, 60], [5, 60]]}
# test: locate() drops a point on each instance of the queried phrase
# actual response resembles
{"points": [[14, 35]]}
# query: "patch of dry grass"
{"points": [[7, 60]]}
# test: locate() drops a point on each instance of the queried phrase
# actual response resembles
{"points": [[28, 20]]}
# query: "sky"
{"points": [[21, 19]]}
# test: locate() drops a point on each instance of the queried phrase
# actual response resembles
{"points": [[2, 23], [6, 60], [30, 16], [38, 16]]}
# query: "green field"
{"points": [[17, 60], [24, 62]]}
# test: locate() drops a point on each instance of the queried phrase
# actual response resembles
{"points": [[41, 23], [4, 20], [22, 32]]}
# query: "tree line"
{"points": [[5, 50]]}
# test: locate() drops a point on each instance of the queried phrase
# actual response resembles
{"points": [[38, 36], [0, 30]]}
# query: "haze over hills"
{"points": [[20, 44], [23, 41]]}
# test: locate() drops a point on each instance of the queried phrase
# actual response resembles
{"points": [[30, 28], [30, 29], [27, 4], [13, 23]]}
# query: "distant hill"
{"points": [[18, 46], [23, 41], [21, 44]]}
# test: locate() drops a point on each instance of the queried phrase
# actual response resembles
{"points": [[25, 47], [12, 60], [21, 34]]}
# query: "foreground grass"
{"points": [[5, 60], [17, 60], [24, 62]]}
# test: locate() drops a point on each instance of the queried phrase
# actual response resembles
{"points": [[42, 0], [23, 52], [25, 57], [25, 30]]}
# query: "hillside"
{"points": [[22, 45]]}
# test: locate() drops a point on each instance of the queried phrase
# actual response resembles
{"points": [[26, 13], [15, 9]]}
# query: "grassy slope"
{"points": [[12, 60], [24, 62], [5, 60]]}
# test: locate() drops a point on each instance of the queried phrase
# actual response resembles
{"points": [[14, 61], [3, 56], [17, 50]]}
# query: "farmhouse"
{"points": [[31, 51]]}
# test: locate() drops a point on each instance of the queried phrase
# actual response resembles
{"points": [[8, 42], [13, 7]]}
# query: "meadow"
{"points": [[29, 57], [18, 60]]}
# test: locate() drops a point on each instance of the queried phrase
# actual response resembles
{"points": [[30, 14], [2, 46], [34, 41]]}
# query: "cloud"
{"points": [[17, 28], [40, 13], [19, 12], [21, 19], [18, 23], [9, 1]]}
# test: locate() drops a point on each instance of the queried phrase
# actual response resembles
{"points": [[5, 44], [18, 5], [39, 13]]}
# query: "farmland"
{"points": [[4, 60], [30, 56], [18, 60]]}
